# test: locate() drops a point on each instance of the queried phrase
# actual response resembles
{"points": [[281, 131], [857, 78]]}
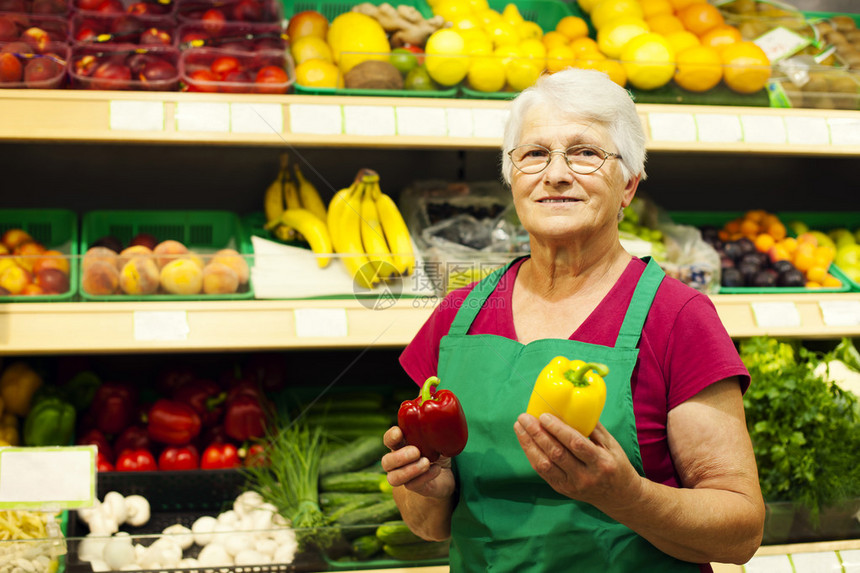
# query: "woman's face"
{"points": [[558, 204]]}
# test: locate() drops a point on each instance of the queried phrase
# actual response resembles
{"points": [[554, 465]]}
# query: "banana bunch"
{"points": [[365, 224], [294, 211]]}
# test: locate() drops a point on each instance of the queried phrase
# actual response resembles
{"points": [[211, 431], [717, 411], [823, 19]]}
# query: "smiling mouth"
{"points": [[558, 200]]}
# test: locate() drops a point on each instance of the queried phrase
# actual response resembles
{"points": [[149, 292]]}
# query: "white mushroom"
{"points": [[203, 528], [138, 510], [181, 534], [238, 543], [214, 555], [115, 504], [118, 552]]}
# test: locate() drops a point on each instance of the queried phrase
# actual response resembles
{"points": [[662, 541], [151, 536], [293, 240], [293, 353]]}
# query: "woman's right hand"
{"points": [[406, 467]]}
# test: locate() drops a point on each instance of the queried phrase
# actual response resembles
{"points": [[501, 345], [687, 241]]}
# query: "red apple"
{"points": [[202, 81], [145, 9], [51, 259], [36, 37], [248, 11], [213, 21], [52, 281], [155, 37], [11, 69], [271, 80], [223, 65], [85, 33], [307, 23], [111, 76]]}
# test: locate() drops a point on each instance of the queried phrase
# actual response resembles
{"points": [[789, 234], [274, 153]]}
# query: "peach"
{"points": [[218, 278], [6, 262], [131, 252], [100, 277], [15, 279], [33, 289], [51, 259], [182, 276], [52, 281], [168, 251], [102, 254], [235, 261], [139, 276], [14, 237], [27, 253]]}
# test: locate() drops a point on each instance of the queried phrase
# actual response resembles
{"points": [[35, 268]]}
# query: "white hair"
{"points": [[582, 94]]}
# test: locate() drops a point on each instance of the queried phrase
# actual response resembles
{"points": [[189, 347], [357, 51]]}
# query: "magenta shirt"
{"points": [[684, 348]]}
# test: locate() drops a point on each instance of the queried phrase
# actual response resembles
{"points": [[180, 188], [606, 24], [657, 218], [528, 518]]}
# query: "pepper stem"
{"points": [[428, 388], [576, 377]]}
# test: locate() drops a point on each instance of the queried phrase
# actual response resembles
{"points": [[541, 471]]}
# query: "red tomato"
{"points": [[220, 456], [102, 464], [136, 461], [175, 458]]}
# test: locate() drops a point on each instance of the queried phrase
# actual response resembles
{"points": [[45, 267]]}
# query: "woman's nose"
{"points": [[558, 169]]}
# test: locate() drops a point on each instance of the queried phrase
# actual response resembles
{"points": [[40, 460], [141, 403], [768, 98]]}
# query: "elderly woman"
{"points": [[667, 481]]}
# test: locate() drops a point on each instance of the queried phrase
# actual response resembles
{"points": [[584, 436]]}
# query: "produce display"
{"points": [[31, 538], [574, 390], [29, 268]]}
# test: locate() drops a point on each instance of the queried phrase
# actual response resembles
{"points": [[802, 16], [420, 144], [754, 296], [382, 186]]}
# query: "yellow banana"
{"points": [[291, 192], [348, 223], [273, 200], [312, 228], [372, 235], [396, 232], [309, 195], [335, 210]]}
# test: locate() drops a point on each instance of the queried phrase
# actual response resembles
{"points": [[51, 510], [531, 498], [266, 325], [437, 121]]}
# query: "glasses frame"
{"points": [[563, 152]]}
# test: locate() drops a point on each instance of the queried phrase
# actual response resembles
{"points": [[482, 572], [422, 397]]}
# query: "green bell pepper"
{"points": [[51, 422], [81, 389]]}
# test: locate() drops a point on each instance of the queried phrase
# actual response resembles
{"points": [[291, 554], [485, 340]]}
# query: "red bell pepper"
{"points": [[172, 422], [205, 397], [114, 406], [220, 456], [434, 422], [245, 417], [175, 458], [268, 369], [102, 464], [173, 378], [132, 438], [98, 439], [136, 461]]}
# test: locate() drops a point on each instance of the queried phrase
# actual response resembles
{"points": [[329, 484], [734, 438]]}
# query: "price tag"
{"points": [[316, 119], [763, 129], [369, 120], [421, 121], [256, 118], [840, 312], [489, 123], [807, 130], [203, 116], [672, 127], [776, 314], [844, 131], [780, 43], [137, 115], [48, 478], [459, 122], [719, 128], [321, 322], [159, 325]]}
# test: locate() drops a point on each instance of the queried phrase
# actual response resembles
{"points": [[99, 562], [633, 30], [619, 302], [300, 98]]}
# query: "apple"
{"points": [[86, 65], [36, 37], [127, 28], [213, 21], [85, 33], [196, 37], [248, 11], [11, 70], [202, 81], [155, 37], [148, 240], [52, 281], [307, 23], [111, 76], [271, 80], [146, 9], [41, 70]]}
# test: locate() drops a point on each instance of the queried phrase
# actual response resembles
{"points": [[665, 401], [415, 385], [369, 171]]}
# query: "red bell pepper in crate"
{"points": [[173, 423], [114, 406], [205, 397], [245, 417]]}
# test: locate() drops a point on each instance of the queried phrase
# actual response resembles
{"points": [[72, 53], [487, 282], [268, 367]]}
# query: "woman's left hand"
{"points": [[592, 469]]}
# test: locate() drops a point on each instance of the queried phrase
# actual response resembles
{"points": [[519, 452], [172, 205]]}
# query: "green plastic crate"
{"points": [[300, 89], [332, 8], [56, 229], [718, 219], [546, 13], [203, 232]]}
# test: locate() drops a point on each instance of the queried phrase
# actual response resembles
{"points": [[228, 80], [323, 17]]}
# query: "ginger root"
{"points": [[404, 24]]}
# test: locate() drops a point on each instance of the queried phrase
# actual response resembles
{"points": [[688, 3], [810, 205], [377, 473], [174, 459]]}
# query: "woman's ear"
{"points": [[630, 190]]}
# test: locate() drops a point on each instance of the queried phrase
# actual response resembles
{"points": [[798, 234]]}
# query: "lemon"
{"points": [[469, 22], [608, 10], [511, 14], [453, 10], [682, 40], [502, 33], [310, 48], [559, 58], [318, 74], [478, 5], [649, 61], [354, 38], [477, 42], [587, 5], [507, 54], [612, 38], [446, 62], [487, 17], [528, 29], [522, 73], [533, 49], [487, 74]]}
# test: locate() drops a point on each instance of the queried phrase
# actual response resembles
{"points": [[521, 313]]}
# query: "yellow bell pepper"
{"points": [[18, 384], [9, 432], [572, 390]]}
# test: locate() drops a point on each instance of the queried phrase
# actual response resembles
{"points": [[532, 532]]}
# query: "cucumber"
{"points": [[373, 514], [355, 455], [417, 551], [348, 507], [396, 533], [366, 546], [331, 500], [356, 482]]}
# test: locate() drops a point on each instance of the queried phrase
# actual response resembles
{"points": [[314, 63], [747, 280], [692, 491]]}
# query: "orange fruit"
{"points": [[764, 242], [746, 67], [553, 38], [789, 243], [611, 68], [700, 18], [654, 7], [749, 228], [318, 74], [699, 69], [721, 36], [804, 257], [776, 230], [733, 226], [682, 40], [572, 27], [756, 215], [824, 255], [831, 282], [778, 252], [584, 46], [681, 4], [664, 24], [817, 274]]}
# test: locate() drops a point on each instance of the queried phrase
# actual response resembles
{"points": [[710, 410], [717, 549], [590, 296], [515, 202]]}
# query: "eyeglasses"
{"points": [[582, 159]]}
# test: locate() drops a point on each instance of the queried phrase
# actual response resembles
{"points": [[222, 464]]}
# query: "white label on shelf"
{"points": [[421, 121], [840, 312], [844, 131], [776, 314], [316, 119], [812, 561], [459, 122], [489, 123], [780, 43], [769, 564], [257, 118], [49, 478], [719, 128], [160, 325], [137, 115], [203, 116], [807, 130], [672, 126], [321, 322], [369, 120], [763, 129]]}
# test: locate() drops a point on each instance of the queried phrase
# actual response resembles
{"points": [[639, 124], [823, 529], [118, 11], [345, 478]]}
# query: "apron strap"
{"points": [[474, 302], [640, 305]]}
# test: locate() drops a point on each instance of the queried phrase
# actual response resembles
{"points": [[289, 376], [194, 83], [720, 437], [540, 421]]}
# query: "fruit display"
{"points": [[215, 13], [124, 67], [56, 7], [230, 71], [144, 30], [838, 231], [233, 36], [35, 30], [29, 268]]}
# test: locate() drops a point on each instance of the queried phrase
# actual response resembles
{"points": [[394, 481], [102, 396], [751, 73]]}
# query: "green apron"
{"points": [[507, 517]]}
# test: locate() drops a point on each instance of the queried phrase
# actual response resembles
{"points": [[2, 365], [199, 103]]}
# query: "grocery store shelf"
{"points": [[426, 123], [82, 327]]}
